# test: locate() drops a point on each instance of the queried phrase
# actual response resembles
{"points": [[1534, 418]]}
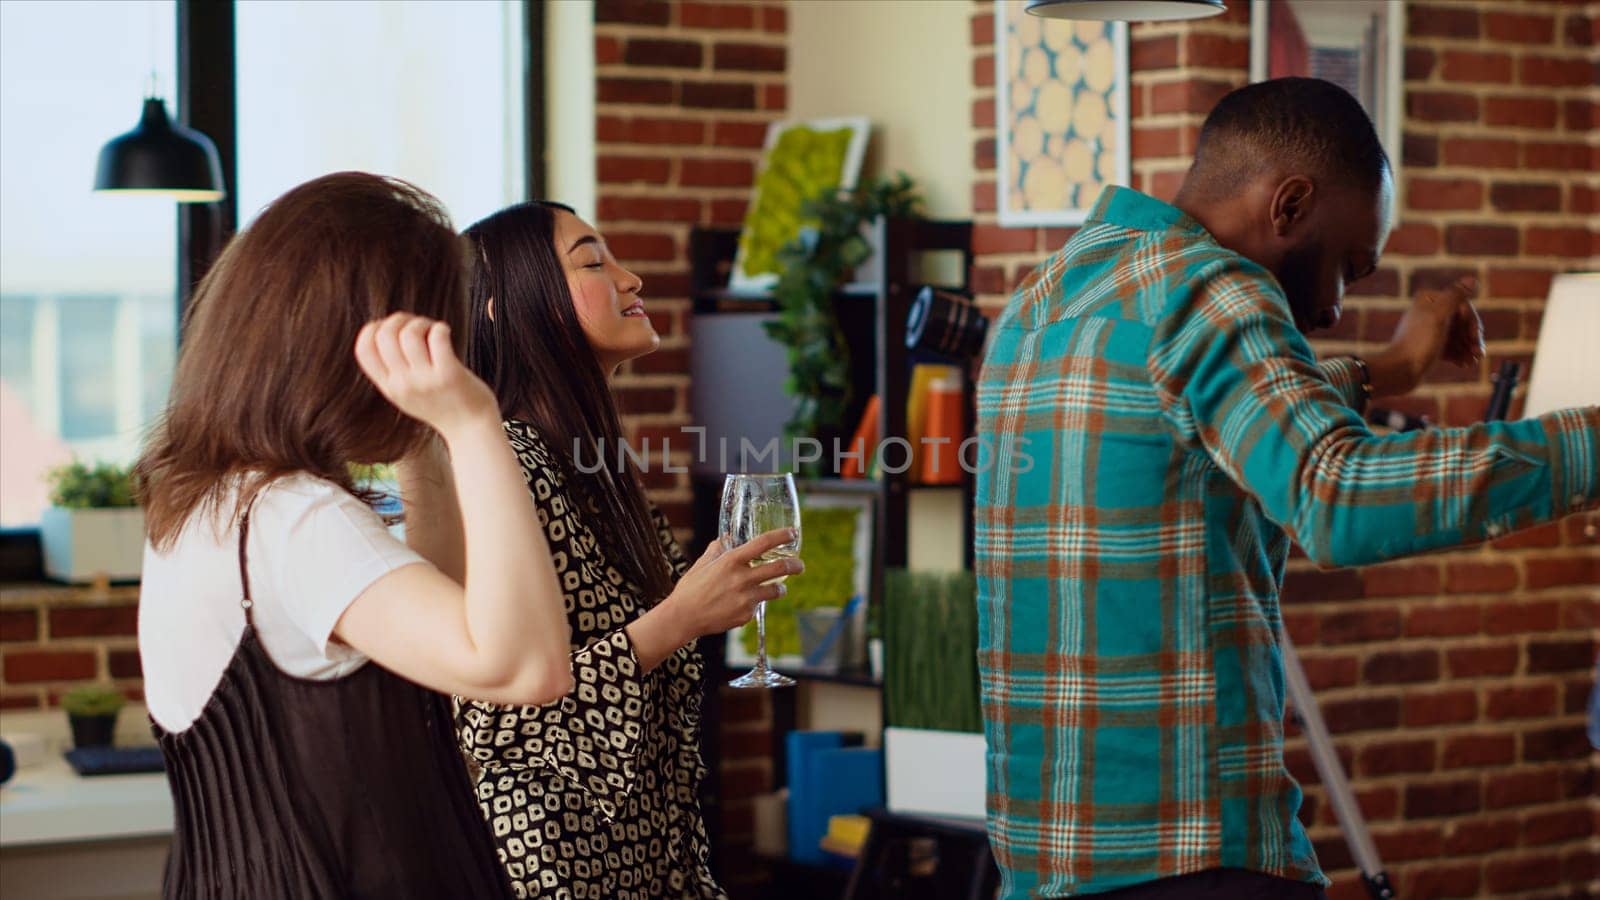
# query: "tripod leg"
{"points": [[1332, 774]]}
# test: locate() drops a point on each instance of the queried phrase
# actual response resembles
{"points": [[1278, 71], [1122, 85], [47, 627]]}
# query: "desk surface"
{"points": [[49, 803]]}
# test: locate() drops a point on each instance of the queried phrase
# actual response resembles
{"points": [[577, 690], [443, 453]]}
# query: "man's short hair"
{"points": [[1289, 124]]}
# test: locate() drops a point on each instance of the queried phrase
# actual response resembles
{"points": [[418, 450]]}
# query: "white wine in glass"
{"points": [[751, 506]]}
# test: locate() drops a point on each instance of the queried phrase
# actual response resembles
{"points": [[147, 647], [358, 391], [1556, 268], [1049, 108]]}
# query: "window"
{"points": [[431, 92], [88, 282]]}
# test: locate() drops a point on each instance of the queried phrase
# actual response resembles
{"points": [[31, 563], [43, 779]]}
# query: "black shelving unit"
{"points": [[872, 318]]}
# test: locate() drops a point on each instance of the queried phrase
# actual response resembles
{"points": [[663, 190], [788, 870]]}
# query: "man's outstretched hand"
{"points": [[1440, 325]]}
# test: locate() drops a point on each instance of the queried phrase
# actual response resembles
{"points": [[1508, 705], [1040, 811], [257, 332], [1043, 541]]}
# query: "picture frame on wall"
{"points": [[799, 161], [837, 545], [1061, 115], [1357, 44]]}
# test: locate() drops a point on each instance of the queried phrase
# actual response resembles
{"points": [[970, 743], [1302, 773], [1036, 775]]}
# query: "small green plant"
{"points": [[92, 700], [101, 486], [930, 651]]}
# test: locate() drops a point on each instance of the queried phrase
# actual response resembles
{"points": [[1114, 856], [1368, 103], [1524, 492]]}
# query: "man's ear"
{"points": [[1292, 203]]}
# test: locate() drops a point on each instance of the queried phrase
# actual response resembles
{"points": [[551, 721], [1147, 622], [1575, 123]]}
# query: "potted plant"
{"points": [[92, 712], [93, 528]]}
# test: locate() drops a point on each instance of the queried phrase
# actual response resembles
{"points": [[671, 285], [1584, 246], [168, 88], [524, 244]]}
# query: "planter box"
{"points": [[82, 545], [937, 773]]}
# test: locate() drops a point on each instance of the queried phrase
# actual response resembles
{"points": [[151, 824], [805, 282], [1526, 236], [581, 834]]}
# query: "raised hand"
{"points": [[412, 362], [1440, 324]]}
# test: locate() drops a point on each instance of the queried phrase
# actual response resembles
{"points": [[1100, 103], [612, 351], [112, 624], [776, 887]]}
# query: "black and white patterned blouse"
{"points": [[595, 797]]}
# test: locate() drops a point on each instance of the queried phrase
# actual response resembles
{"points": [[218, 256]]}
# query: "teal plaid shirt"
{"points": [[1161, 432]]}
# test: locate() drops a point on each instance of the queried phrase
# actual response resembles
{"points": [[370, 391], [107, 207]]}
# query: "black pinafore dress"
{"points": [[292, 788]]}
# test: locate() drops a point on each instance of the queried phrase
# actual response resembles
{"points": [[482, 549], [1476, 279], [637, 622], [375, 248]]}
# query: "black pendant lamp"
{"points": [[1126, 10], [161, 158]]}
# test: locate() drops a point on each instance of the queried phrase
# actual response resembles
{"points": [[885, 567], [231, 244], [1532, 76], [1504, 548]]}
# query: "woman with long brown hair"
{"points": [[597, 795], [297, 656]]}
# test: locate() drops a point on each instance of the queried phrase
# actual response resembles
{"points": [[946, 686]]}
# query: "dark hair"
{"points": [[1306, 123], [533, 353], [267, 383]]}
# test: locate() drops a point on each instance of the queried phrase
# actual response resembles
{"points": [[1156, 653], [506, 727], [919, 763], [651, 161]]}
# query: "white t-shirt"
{"points": [[312, 550]]}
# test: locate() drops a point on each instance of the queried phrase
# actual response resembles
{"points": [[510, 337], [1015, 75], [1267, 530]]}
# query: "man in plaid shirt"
{"points": [[1163, 432]]}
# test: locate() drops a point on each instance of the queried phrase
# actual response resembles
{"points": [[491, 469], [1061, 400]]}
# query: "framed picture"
{"points": [[836, 542], [1357, 44], [799, 161], [1061, 102]]}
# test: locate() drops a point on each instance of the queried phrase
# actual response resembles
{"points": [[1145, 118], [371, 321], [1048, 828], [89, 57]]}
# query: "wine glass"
{"points": [[751, 506]]}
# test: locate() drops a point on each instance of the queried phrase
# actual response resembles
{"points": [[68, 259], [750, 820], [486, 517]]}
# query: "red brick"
{"points": [[1360, 625], [1414, 239], [124, 664], [1519, 283], [19, 625], [745, 782], [626, 169], [775, 19], [1481, 153], [1384, 282], [1521, 702], [1452, 880], [1443, 621], [633, 90], [1519, 616], [27, 666], [1560, 656], [728, 212], [982, 29], [1557, 827], [983, 113], [1193, 95], [1216, 51], [1302, 627], [1579, 115], [1440, 21], [1462, 577], [1153, 143], [1560, 157], [1317, 585], [1578, 570], [1054, 238], [94, 621], [718, 95], [739, 134], [1522, 112], [1583, 199], [1395, 757], [716, 15], [1419, 63], [1462, 66], [1520, 788], [663, 53], [1537, 536], [1401, 667], [1547, 72], [988, 239], [1324, 672], [1476, 836], [1515, 197], [1333, 854], [1507, 875], [18, 701], [1439, 106], [750, 57], [1149, 54], [983, 71], [983, 154], [1473, 751], [983, 197], [1445, 194], [617, 129], [642, 247], [1365, 714], [1444, 798], [717, 173], [649, 209], [1409, 844], [1519, 29], [1561, 743], [1581, 31], [633, 12], [1441, 707], [1469, 662], [741, 706], [663, 362], [1164, 185], [775, 97], [607, 50]]}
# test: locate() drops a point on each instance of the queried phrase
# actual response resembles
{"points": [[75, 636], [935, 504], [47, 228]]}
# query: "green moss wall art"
{"points": [[801, 161], [836, 544]]}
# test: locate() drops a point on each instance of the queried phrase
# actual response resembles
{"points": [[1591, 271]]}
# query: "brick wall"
{"points": [[1455, 684], [684, 94], [54, 638]]}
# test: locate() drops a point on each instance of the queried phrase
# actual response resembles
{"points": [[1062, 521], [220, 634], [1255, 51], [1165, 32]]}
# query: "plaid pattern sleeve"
{"points": [[1161, 430]]}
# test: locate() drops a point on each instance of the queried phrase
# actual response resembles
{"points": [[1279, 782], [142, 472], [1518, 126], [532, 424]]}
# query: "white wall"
{"points": [[907, 66], [569, 113]]}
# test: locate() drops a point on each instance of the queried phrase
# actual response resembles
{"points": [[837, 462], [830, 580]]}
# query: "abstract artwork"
{"points": [[1061, 114]]}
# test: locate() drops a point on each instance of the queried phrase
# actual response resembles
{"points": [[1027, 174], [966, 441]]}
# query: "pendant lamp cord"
{"points": [[153, 89]]}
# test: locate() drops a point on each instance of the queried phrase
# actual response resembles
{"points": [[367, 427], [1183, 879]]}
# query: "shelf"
{"points": [[840, 485], [726, 300], [857, 677]]}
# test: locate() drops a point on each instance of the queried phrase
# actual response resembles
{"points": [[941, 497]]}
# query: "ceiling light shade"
{"points": [[1126, 10], [160, 157], [1566, 368]]}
